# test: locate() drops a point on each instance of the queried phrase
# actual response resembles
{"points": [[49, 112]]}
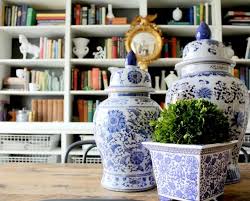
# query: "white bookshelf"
{"points": [[68, 31]]}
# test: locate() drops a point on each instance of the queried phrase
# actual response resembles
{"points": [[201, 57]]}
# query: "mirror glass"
{"points": [[143, 44]]}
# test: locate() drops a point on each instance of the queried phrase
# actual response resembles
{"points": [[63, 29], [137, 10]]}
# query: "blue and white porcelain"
{"points": [[204, 73], [189, 172], [121, 124]]}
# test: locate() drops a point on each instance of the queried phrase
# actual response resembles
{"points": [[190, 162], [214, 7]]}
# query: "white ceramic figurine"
{"points": [[27, 47]]}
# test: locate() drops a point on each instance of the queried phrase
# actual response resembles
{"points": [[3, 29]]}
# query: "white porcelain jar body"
{"points": [[121, 124], [212, 81]]}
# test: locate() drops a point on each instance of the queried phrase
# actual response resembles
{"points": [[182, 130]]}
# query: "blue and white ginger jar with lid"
{"points": [[204, 73], [121, 124]]}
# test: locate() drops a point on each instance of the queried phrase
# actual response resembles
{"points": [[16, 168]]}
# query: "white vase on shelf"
{"points": [[157, 83], [163, 84], [80, 49], [110, 14], [170, 79]]}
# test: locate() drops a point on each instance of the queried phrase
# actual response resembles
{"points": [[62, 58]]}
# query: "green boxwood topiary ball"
{"points": [[192, 121]]}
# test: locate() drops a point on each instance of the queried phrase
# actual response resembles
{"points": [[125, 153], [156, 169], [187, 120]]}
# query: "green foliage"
{"points": [[193, 121]]}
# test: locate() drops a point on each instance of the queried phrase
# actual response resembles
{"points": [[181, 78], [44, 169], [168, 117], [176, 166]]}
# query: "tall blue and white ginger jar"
{"points": [[204, 73], [121, 124]]}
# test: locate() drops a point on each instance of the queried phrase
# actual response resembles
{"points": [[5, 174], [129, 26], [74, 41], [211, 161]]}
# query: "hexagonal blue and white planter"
{"points": [[190, 172]]}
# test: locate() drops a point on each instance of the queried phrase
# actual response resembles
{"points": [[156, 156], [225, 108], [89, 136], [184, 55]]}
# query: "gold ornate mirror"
{"points": [[144, 38]]}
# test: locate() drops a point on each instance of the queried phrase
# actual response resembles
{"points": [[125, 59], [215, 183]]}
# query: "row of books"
{"points": [[115, 47], [47, 110], [93, 79], [86, 109], [44, 19], [89, 15], [237, 17], [17, 15], [51, 48], [195, 15], [171, 48], [47, 80]]}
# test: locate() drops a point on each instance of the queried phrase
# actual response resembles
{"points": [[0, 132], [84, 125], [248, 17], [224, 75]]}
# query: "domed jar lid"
{"points": [[204, 49], [131, 78]]}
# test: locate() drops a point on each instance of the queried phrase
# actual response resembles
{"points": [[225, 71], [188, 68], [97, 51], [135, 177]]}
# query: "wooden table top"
{"points": [[25, 182]]}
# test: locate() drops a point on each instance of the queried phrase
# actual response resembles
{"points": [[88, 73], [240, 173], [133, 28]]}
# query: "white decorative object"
{"points": [[177, 14], [157, 83], [229, 52], [100, 54], [27, 47], [55, 83], [20, 73], [80, 49], [170, 79], [163, 84], [247, 55], [110, 14]]}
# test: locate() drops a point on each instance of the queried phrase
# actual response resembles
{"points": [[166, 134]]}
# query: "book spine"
{"points": [[202, 12], [45, 44], [78, 14], [54, 112], [24, 14], [165, 48], [89, 79], [39, 110], [105, 79], [242, 75], [60, 110], [2, 12], [206, 13], [85, 110], [34, 108], [198, 15], [92, 13], [97, 15], [109, 48], [191, 15], [82, 80], [30, 17], [194, 11], [84, 15], [173, 47], [19, 16], [80, 109], [103, 15], [45, 110], [41, 47], [114, 47], [75, 78], [95, 79], [85, 80], [90, 110], [59, 48], [50, 110], [12, 15]]}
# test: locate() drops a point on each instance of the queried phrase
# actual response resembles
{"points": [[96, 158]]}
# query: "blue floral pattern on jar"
{"points": [[121, 124], [135, 77], [231, 96]]}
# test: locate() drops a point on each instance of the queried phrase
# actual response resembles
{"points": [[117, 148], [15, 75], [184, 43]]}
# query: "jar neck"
{"points": [[217, 68], [133, 94]]}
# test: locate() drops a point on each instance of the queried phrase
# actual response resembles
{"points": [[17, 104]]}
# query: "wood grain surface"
{"points": [[25, 182]]}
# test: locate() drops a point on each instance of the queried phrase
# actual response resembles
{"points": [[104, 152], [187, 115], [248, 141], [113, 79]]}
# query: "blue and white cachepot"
{"points": [[190, 172], [121, 124], [204, 73]]}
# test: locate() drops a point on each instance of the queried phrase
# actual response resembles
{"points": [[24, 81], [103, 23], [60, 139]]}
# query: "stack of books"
{"points": [[86, 109], [93, 79], [115, 47], [18, 15], [50, 19], [51, 49], [240, 18], [47, 110], [194, 15], [171, 48]]}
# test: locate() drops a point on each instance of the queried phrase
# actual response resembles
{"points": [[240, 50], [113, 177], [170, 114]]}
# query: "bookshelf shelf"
{"points": [[34, 31], [90, 92], [99, 62], [242, 61], [115, 3], [41, 63], [99, 30], [31, 93], [229, 30]]}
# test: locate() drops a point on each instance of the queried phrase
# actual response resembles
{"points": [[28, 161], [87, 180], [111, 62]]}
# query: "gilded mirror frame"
{"points": [[145, 25]]}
